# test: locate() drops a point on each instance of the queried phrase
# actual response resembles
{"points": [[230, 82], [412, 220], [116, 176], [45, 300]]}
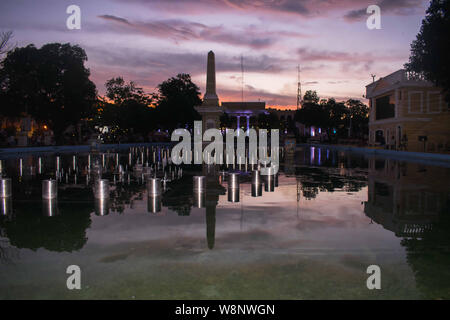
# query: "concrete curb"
{"points": [[78, 148], [400, 155]]}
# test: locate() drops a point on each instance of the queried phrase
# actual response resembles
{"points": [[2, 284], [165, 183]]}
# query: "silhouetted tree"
{"points": [[176, 99], [225, 120], [430, 50], [312, 113], [359, 113], [128, 112], [311, 97], [118, 91], [268, 121], [332, 116], [51, 84], [5, 42]]}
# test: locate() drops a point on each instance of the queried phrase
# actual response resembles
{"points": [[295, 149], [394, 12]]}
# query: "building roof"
{"points": [[244, 106], [395, 80]]}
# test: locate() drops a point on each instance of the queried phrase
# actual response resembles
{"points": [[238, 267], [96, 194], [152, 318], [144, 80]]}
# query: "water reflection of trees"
{"points": [[314, 180], [413, 201], [30, 228], [429, 258], [179, 196], [123, 193], [7, 252], [321, 170]]}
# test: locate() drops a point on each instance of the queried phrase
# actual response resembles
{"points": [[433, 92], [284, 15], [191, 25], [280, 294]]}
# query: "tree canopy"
{"points": [[127, 112], [120, 92], [5, 42], [334, 117], [430, 50], [176, 99], [51, 84], [311, 96]]}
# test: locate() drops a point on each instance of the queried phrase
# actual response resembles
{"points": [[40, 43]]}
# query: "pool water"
{"points": [[312, 233]]}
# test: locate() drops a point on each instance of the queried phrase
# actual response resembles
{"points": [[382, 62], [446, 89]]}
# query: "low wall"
{"points": [[79, 148], [429, 158]]}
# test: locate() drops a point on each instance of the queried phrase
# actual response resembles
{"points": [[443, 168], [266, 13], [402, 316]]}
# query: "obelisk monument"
{"points": [[210, 109], [210, 98]]}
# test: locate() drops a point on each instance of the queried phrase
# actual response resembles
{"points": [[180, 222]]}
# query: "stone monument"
{"points": [[210, 109]]}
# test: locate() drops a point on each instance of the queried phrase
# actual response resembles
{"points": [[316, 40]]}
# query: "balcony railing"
{"points": [[414, 76]]}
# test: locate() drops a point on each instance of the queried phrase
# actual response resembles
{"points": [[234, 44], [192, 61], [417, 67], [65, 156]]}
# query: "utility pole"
{"points": [[299, 89], [242, 71]]}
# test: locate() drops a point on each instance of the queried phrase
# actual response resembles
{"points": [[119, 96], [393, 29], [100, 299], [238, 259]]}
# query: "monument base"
{"points": [[210, 116]]}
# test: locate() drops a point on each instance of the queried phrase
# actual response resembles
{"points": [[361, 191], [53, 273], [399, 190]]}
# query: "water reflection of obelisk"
{"points": [[210, 109], [213, 190]]}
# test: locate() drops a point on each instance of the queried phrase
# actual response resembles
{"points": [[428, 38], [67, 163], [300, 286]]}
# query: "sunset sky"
{"points": [[148, 41]]}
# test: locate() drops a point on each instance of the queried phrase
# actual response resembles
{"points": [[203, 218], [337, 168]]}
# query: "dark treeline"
{"points": [[130, 114], [51, 85], [349, 119]]}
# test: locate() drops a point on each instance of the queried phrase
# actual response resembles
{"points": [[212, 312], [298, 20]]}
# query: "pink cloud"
{"points": [[182, 30]]}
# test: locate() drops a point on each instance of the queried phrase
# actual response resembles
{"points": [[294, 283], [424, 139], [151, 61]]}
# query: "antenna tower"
{"points": [[242, 71], [299, 89]]}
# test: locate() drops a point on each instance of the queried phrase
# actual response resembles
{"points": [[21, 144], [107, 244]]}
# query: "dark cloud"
{"points": [[192, 63], [181, 30], [356, 15], [290, 6], [338, 82], [198, 6], [397, 7], [306, 8], [309, 55], [174, 29], [114, 18]]}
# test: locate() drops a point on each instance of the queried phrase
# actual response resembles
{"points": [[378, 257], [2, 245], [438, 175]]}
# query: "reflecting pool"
{"points": [[309, 232]]}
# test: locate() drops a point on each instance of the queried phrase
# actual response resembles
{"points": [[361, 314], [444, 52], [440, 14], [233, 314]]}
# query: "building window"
{"points": [[434, 102], [415, 102], [385, 108], [379, 136]]}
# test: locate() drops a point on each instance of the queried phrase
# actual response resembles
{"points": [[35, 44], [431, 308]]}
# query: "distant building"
{"points": [[283, 115], [243, 113], [408, 113], [246, 113]]}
